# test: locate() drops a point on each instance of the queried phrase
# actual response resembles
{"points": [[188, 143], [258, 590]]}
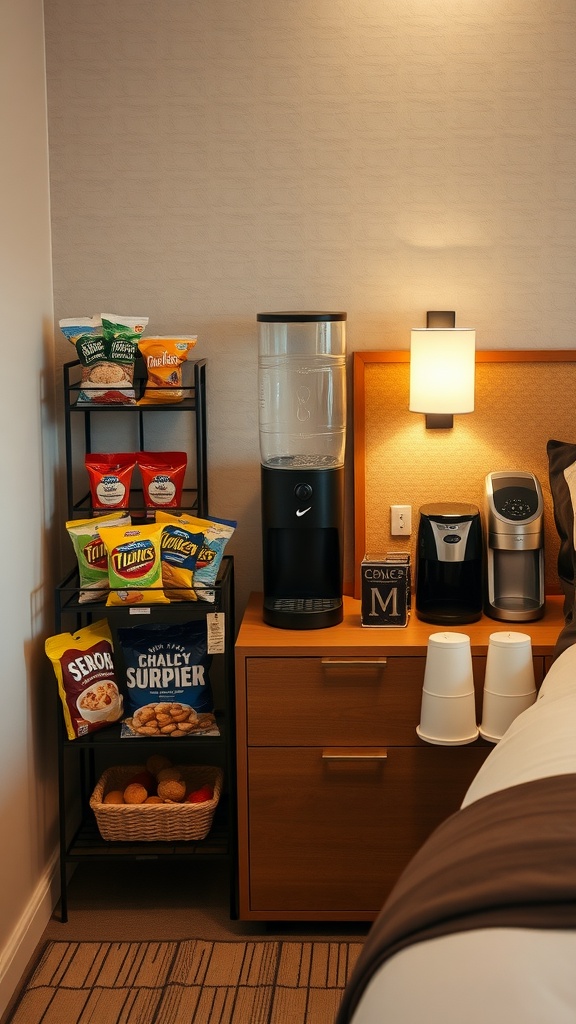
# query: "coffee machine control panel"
{"points": [[450, 540]]}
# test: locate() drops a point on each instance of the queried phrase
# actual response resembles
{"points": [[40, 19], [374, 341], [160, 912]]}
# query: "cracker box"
{"points": [[385, 589]]}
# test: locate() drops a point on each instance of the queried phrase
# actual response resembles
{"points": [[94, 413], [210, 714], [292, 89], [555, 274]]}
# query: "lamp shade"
{"points": [[442, 370]]}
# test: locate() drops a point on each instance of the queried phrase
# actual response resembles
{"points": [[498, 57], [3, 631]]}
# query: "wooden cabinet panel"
{"points": [[337, 700], [330, 837], [326, 821]]}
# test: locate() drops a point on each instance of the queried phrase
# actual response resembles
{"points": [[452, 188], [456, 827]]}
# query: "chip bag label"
{"points": [[110, 478], [107, 350], [179, 551], [91, 553], [215, 535], [163, 358], [162, 478], [83, 664], [134, 565], [168, 689]]}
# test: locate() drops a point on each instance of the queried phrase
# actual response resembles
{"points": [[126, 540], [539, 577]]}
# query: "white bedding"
{"points": [[500, 975]]}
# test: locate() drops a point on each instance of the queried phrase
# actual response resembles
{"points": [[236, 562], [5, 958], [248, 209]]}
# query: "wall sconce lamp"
{"points": [[441, 369]]}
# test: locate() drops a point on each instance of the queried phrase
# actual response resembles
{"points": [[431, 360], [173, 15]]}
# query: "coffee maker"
{"points": [[515, 547], [302, 418], [449, 563]]}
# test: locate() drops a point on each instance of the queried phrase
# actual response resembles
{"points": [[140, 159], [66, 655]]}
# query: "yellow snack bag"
{"points": [[83, 664], [216, 534], [134, 565], [179, 549], [163, 359]]}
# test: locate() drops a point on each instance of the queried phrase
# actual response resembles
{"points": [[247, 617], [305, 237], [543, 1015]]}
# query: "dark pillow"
{"points": [[561, 455]]}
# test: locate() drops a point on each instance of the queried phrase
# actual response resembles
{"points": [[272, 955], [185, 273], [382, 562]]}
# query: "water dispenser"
{"points": [[515, 547], [302, 419]]}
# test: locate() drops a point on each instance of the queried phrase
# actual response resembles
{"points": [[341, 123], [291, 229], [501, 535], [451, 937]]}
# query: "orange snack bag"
{"points": [[163, 359]]}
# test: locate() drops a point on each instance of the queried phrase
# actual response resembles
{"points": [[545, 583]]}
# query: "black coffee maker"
{"points": [[449, 564]]}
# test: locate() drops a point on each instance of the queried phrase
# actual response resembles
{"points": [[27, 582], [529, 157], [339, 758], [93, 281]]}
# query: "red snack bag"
{"points": [[110, 479], [162, 478]]}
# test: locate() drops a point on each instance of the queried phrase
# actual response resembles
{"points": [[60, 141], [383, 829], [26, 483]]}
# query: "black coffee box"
{"points": [[385, 589]]}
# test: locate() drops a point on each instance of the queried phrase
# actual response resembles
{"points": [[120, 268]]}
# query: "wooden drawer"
{"points": [[329, 837], [338, 701]]}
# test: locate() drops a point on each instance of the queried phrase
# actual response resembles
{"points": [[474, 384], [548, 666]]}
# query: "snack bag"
{"points": [[178, 550], [168, 689], [217, 533], [84, 668], [107, 355], [134, 566], [110, 479], [91, 553], [162, 478], [208, 562], [163, 358], [74, 327]]}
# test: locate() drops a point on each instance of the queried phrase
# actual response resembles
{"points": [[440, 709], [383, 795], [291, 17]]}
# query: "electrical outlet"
{"points": [[400, 520]]}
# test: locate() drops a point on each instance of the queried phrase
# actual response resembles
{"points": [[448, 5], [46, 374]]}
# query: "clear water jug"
{"points": [[302, 389]]}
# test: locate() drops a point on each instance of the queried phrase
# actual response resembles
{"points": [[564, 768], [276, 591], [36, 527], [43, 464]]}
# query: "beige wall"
{"points": [[28, 847], [210, 160]]}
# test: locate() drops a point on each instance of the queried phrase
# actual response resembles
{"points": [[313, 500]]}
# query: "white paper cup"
{"points": [[448, 670], [499, 711], [448, 709], [509, 664], [509, 683]]}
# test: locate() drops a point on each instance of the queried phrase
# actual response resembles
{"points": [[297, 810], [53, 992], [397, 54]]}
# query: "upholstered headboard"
{"points": [[523, 398]]}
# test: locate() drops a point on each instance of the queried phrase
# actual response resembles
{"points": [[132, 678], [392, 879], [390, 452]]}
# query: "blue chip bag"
{"points": [[167, 692]]}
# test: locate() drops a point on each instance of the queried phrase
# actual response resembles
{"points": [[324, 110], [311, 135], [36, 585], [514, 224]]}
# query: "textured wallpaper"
{"points": [[214, 158], [518, 407]]}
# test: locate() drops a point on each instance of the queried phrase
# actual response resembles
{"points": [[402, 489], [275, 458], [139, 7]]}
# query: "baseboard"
{"points": [[17, 952]]}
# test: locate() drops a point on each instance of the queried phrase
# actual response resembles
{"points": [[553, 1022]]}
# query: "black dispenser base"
{"points": [[303, 613], [302, 533]]}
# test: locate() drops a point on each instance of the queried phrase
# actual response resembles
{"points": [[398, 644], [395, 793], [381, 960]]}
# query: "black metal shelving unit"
{"points": [[81, 761], [193, 405]]}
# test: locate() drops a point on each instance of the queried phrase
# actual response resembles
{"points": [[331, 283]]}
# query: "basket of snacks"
{"points": [[157, 801]]}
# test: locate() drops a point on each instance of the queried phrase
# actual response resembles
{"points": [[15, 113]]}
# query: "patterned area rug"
{"points": [[193, 981]]}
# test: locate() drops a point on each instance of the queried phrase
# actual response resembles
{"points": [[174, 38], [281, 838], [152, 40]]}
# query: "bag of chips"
{"points": [[162, 478], [163, 358], [179, 549], [168, 689], [110, 478], [91, 553], [107, 353], [83, 664], [217, 533], [134, 566]]}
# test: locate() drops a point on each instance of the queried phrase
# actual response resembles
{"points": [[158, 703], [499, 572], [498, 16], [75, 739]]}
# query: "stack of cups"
{"points": [[448, 711], [509, 684]]}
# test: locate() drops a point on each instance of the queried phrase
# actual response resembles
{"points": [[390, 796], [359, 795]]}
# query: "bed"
{"points": [[482, 923]]}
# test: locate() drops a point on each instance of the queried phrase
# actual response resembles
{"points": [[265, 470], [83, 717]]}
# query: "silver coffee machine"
{"points": [[514, 546]]}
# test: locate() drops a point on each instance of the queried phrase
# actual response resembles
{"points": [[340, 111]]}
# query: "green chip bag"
{"points": [[134, 565], [91, 553]]}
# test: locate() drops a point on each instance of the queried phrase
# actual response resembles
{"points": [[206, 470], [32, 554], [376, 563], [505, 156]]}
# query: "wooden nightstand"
{"points": [[335, 790]]}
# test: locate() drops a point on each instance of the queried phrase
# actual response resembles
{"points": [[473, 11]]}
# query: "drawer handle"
{"points": [[357, 663], [344, 754]]}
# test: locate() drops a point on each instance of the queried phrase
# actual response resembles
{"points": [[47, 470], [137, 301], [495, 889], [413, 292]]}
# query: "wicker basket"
{"points": [[156, 822]]}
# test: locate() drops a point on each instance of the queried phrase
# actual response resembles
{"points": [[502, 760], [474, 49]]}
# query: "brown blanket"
{"points": [[507, 860]]}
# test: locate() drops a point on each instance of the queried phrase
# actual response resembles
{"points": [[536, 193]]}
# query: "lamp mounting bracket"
{"points": [[439, 420], [441, 318]]}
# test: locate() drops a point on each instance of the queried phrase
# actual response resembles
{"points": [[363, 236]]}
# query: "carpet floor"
{"points": [[187, 982], [177, 916]]}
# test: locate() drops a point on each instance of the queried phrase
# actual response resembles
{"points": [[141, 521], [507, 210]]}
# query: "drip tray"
{"points": [[303, 612]]}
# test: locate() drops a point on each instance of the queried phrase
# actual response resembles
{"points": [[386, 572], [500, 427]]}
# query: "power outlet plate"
{"points": [[400, 520]]}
